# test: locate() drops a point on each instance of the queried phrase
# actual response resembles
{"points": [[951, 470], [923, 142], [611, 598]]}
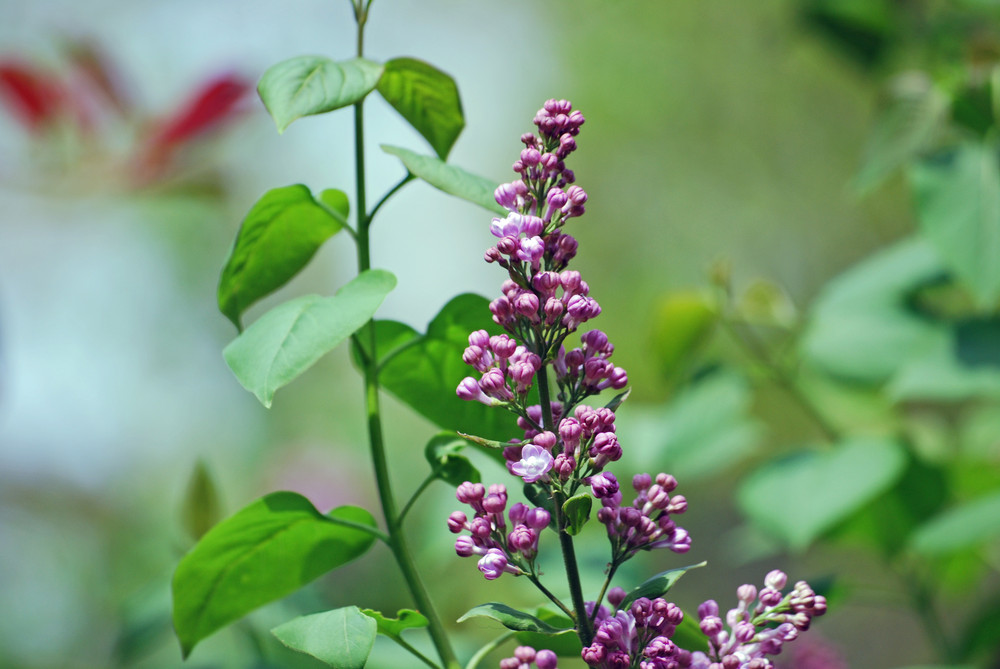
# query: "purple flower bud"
{"points": [[494, 384], [493, 564], [531, 157], [545, 439], [538, 519], [630, 516], [604, 484], [744, 631], [546, 659], [469, 390], [470, 493], [570, 280], [641, 482], [508, 246], [494, 503], [776, 579], [456, 522], [480, 527], [546, 283], [465, 546], [526, 304], [501, 309], [556, 197], [577, 196], [523, 539], [517, 513], [708, 608], [531, 249], [522, 373]]}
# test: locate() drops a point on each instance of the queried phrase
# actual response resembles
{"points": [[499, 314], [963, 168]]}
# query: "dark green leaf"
{"points": [[290, 338], [450, 179], [342, 638], [977, 342], [393, 627], [442, 452], [576, 510], [958, 206], [201, 509], [689, 636], [511, 618], [980, 637], [564, 644], [389, 336], [618, 400], [264, 552], [277, 239], [658, 585], [828, 486], [427, 98], [425, 372], [963, 526], [308, 85]]}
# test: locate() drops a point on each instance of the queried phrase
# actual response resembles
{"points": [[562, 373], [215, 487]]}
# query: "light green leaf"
{"points": [[828, 486], [307, 85], [958, 206], [268, 550], [279, 236], [450, 179], [427, 98], [511, 618], [290, 338], [577, 512], [342, 638], [964, 526], [201, 508], [658, 585], [337, 203], [393, 627]]}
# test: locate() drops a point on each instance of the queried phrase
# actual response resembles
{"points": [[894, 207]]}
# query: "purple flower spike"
{"points": [[534, 464]]}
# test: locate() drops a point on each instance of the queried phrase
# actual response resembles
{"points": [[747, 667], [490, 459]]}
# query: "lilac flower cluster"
{"points": [[525, 656], [645, 525], [756, 631], [508, 370], [638, 637], [512, 552]]}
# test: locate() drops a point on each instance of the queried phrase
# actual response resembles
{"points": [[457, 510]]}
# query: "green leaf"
{"points": [[658, 585], [511, 618], [393, 627], [964, 526], [268, 550], [689, 636], [201, 509], [342, 638], [425, 372], [682, 323], [618, 400], [336, 203], [427, 98], [389, 336], [450, 179], [307, 85], [538, 495], [828, 486], [279, 236], [576, 510], [958, 206], [564, 644], [290, 338], [443, 454]]}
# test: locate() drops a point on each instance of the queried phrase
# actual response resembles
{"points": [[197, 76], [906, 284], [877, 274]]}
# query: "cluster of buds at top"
{"points": [[638, 637], [500, 551], [756, 631], [645, 525], [525, 656], [508, 369]]}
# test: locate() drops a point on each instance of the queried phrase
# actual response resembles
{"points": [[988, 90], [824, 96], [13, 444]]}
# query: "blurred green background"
{"points": [[715, 130]]}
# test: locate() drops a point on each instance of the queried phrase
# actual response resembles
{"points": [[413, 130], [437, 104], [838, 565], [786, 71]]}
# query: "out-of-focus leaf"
{"points": [[450, 179], [563, 644], [766, 303], [342, 638], [279, 236], [511, 618], [977, 342], [393, 627], [290, 338], [576, 510], [683, 321], [689, 636], [425, 372], [307, 85], [702, 431], [862, 29], [658, 585], [960, 527], [958, 206], [981, 635], [427, 98], [268, 550], [443, 454], [201, 509], [827, 486]]}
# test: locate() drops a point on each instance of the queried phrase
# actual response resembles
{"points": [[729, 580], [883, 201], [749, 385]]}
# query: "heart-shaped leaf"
{"points": [[443, 454], [658, 585], [427, 98], [819, 489], [576, 510], [277, 239], [342, 638], [511, 618], [307, 85], [290, 338], [393, 627], [268, 550], [450, 179]]}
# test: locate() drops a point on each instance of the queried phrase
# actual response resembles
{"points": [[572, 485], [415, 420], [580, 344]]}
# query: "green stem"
{"points": [[565, 540], [923, 604], [487, 649], [374, 531], [604, 590], [397, 538], [555, 600], [392, 191], [416, 653], [423, 486]]}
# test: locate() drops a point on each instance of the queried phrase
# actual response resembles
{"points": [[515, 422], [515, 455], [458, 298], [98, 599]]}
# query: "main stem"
{"points": [[565, 540], [397, 538]]}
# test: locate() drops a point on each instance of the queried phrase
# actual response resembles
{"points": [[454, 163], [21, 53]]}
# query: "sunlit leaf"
{"points": [[307, 85], [342, 638], [393, 627], [450, 179], [290, 338], [268, 550], [279, 236], [427, 98]]}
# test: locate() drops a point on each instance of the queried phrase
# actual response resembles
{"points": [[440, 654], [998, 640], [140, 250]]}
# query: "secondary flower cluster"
{"points": [[638, 636], [757, 631], [645, 525], [524, 656], [500, 551], [508, 369]]}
